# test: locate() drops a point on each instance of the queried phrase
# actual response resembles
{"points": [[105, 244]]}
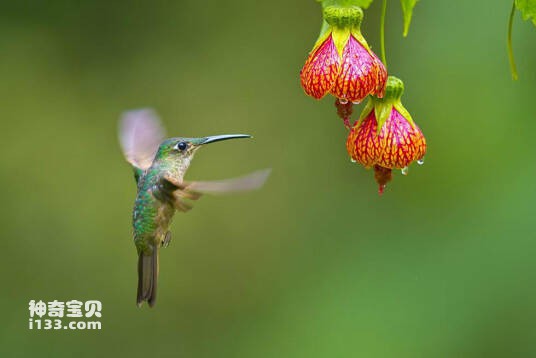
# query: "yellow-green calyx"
{"points": [[383, 107], [394, 89], [343, 17], [340, 22]]}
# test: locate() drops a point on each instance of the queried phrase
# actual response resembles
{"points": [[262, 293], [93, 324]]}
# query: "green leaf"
{"points": [[361, 3], [407, 10], [528, 9]]}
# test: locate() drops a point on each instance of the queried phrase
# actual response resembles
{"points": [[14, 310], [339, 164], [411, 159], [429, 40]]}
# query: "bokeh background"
{"points": [[314, 265]]}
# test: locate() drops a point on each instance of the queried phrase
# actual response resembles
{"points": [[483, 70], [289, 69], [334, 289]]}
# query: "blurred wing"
{"points": [[178, 193], [140, 134], [247, 182]]}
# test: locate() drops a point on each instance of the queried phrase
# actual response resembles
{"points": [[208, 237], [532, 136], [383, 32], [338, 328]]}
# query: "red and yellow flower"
{"points": [[341, 62], [385, 136]]}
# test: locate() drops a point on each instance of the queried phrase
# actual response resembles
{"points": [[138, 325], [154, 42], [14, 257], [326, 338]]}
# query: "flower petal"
{"points": [[362, 73], [321, 69], [397, 144], [363, 143]]}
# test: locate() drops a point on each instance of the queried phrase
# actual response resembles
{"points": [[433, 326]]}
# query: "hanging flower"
{"points": [[385, 136], [341, 62]]}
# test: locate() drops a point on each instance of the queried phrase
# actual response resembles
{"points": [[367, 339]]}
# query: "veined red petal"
{"points": [[381, 77], [321, 69], [396, 146], [363, 145], [362, 73]]}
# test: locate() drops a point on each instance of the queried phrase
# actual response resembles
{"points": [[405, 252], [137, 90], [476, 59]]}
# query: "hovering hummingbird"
{"points": [[159, 167]]}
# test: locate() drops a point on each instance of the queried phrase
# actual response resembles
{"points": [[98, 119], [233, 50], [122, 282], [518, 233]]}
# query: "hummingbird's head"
{"points": [[182, 149]]}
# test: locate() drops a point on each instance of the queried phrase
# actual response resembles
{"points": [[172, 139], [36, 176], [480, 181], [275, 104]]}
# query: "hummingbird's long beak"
{"points": [[217, 138]]}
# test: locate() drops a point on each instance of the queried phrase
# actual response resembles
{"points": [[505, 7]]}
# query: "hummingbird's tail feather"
{"points": [[147, 277]]}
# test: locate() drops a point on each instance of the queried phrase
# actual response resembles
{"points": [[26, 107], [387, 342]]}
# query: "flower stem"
{"points": [[513, 68], [382, 32]]}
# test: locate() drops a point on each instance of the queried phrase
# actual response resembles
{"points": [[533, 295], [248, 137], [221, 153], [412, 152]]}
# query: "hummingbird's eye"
{"points": [[181, 146]]}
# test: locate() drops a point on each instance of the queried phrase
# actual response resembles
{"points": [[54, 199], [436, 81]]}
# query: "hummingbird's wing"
{"points": [[177, 191], [140, 134], [251, 181]]}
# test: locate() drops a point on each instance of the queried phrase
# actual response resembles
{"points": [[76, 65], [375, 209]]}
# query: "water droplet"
{"points": [[404, 171], [356, 102], [420, 161], [343, 100], [353, 160]]}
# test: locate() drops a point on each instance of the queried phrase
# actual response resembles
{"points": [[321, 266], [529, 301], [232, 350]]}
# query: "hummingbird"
{"points": [[159, 167]]}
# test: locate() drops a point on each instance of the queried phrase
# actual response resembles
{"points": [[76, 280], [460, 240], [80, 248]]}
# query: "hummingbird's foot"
{"points": [[167, 239]]}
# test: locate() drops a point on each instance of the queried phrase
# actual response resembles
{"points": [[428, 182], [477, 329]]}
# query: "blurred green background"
{"points": [[314, 265]]}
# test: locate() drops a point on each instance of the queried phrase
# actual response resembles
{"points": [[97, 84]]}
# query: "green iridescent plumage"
{"points": [[159, 168]]}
